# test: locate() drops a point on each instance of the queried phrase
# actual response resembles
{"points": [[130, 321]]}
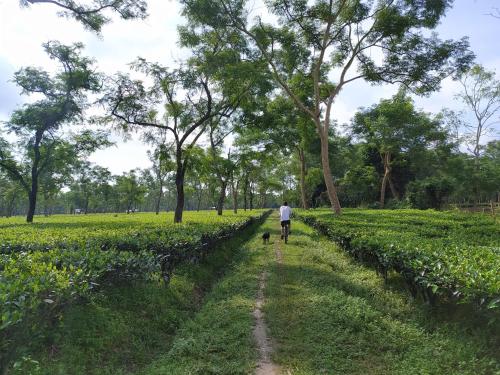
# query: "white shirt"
{"points": [[285, 212]]}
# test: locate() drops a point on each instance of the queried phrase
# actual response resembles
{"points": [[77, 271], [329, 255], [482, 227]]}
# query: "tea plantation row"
{"points": [[449, 254], [48, 264]]}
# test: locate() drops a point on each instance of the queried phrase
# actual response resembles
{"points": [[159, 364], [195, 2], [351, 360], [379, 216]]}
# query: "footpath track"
{"points": [[328, 314], [265, 365], [306, 308]]}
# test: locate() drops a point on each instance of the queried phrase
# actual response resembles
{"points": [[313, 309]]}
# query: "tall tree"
{"points": [[187, 98], [223, 167], [213, 84], [191, 102], [481, 95], [392, 127], [130, 190], [316, 46], [38, 125], [92, 14], [280, 127]]}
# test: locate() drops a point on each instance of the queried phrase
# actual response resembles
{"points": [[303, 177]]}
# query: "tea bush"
{"points": [[438, 253], [59, 259]]}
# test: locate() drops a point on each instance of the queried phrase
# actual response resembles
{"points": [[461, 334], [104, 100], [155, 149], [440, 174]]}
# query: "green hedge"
{"points": [[438, 253], [45, 266]]}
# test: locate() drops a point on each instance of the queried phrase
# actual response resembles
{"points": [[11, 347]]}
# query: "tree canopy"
{"points": [[92, 14]]}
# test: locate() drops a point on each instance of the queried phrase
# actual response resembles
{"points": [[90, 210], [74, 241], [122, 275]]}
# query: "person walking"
{"points": [[285, 213]]}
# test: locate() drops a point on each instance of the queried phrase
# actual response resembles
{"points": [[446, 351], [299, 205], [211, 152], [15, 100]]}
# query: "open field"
{"points": [[326, 314]]}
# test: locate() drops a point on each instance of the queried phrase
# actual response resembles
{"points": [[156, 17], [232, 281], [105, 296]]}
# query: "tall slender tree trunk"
{"points": [[382, 190], [222, 196], [327, 173], [245, 193], [158, 199], [303, 172], [179, 184], [251, 194], [32, 194], [386, 158], [234, 190]]}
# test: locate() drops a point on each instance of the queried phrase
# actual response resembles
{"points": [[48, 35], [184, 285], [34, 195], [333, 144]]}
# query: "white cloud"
{"points": [[123, 157], [9, 92]]}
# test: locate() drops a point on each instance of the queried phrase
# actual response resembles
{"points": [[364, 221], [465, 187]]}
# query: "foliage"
{"points": [[38, 125], [396, 129], [328, 314], [314, 49], [129, 326], [46, 265], [92, 15], [430, 192], [438, 253]]}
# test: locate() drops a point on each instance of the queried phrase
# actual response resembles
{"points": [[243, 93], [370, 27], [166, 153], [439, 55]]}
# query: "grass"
{"points": [[326, 314], [219, 339], [330, 315], [126, 327]]}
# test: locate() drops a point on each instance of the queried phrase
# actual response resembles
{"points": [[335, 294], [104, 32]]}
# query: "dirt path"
{"points": [[265, 366]]}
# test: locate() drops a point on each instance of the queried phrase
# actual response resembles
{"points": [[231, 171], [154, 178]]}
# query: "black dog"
{"points": [[265, 237]]}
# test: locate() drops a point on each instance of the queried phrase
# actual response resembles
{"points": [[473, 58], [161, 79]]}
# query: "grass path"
{"points": [[320, 313], [219, 339], [325, 314], [330, 315]]}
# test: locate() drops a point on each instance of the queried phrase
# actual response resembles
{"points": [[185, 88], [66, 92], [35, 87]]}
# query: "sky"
{"points": [[23, 30]]}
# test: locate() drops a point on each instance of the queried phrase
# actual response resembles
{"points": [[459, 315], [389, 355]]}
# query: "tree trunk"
{"points": [[198, 204], [10, 207], [394, 191], [32, 201], [32, 194], [222, 197], [234, 189], [179, 183], [327, 173], [303, 172], [382, 190], [251, 193], [386, 158], [245, 194], [158, 200]]}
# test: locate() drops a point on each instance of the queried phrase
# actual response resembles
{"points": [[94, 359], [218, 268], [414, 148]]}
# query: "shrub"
{"points": [[430, 192], [437, 253]]}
